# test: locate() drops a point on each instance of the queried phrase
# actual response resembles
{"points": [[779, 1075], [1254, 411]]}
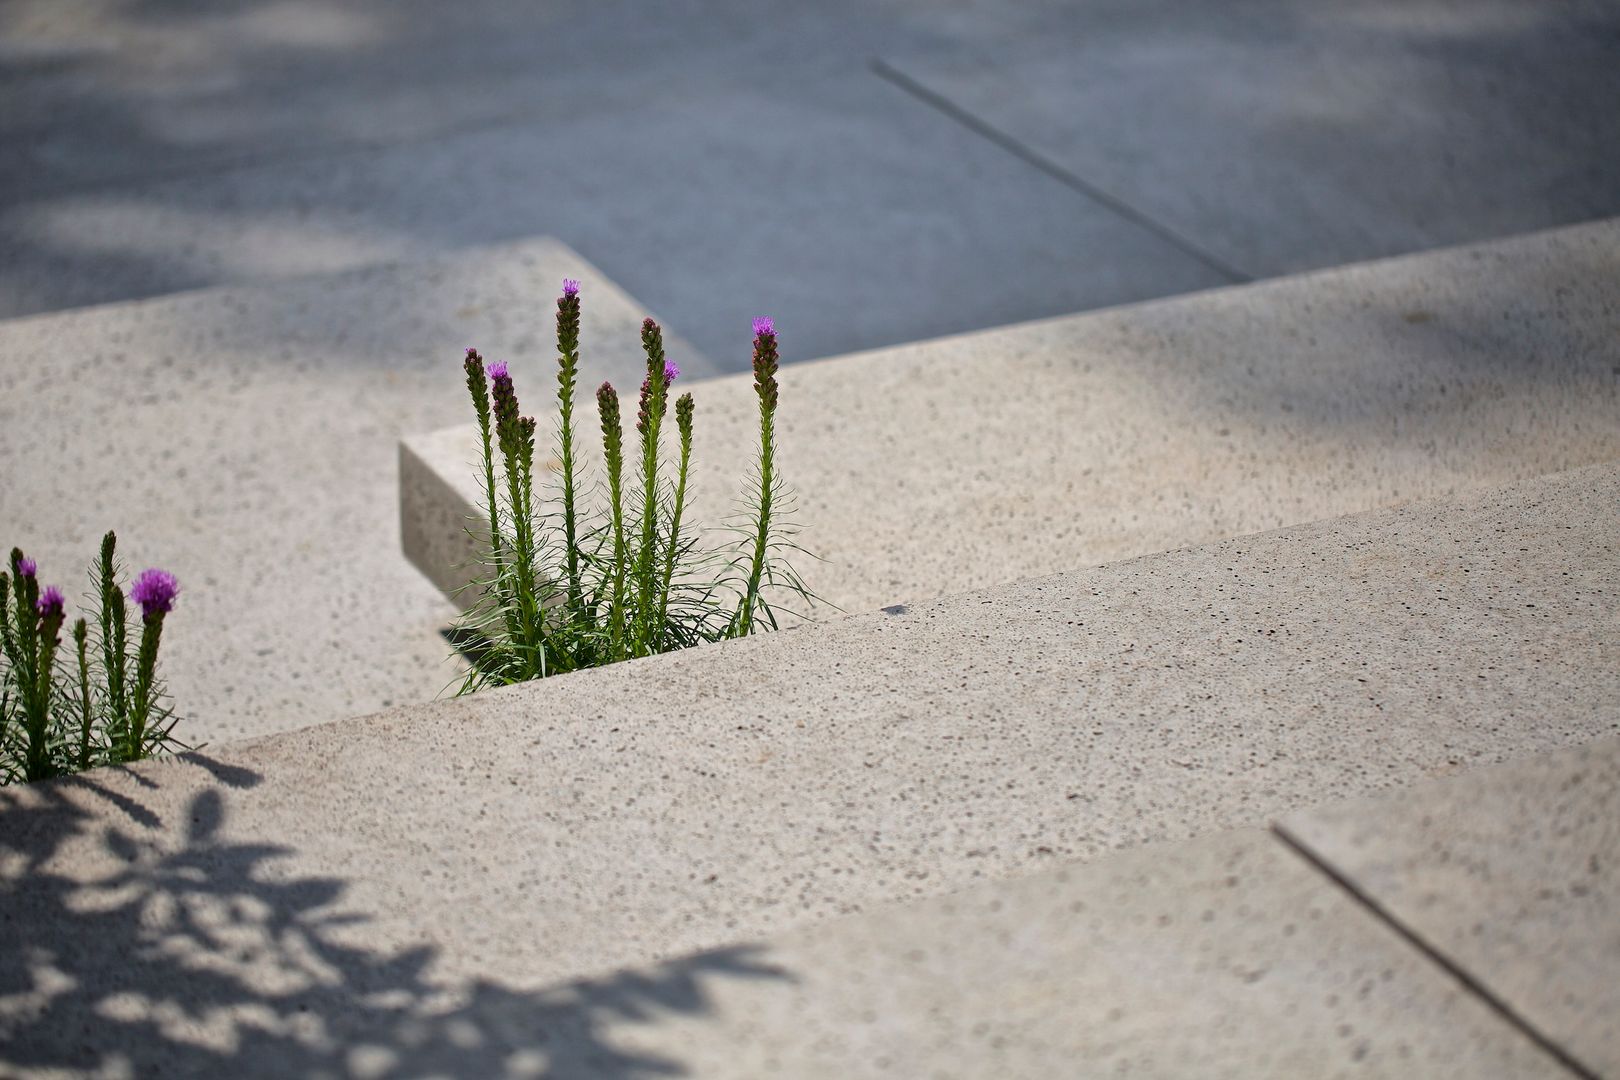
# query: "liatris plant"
{"points": [[570, 588], [64, 712]]}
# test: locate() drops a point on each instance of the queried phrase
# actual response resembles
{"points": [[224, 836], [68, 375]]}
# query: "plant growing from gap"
{"points": [[579, 585], [96, 700]]}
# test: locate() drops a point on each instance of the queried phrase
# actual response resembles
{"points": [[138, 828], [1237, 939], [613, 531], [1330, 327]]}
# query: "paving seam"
{"points": [[1469, 982], [886, 71]]}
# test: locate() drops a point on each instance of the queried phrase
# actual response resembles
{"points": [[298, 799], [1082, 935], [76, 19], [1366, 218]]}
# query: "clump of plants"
{"points": [[98, 698], [612, 569]]}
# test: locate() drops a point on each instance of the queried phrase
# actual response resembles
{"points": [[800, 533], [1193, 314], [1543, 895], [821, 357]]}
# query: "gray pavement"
{"points": [[521, 871], [1003, 161], [1278, 137]]}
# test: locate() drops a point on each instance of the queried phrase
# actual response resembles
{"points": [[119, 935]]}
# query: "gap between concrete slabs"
{"points": [[1509, 876]]}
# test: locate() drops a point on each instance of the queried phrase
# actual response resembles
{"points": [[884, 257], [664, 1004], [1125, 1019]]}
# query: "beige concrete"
{"points": [[244, 439], [964, 462], [1512, 874], [555, 832], [1222, 957]]}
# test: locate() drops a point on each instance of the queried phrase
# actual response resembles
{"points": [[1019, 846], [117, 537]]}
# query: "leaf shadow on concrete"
{"points": [[199, 956]]}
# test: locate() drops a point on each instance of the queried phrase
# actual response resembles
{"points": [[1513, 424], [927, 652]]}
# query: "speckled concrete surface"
{"points": [[965, 462], [244, 438], [1513, 874], [1222, 957], [645, 811]]}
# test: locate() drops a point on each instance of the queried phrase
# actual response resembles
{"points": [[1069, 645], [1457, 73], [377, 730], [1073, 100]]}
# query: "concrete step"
{"points": [[332, 890], [244, 438], [1225, 956], [960, 463]]}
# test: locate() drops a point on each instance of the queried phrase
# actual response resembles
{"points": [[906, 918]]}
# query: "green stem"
{"points": [[567, 376], [37, 706], [114, 649], [649, 423], [81, 634], [143, 697], [478, 390], [765, 364], [683, 424], [613, 455]]}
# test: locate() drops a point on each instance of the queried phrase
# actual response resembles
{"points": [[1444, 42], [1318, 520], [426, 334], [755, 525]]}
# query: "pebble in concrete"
{"points": [[1512, 874]]}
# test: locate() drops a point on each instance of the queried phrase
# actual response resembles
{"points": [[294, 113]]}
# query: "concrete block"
{"points": [[1512, 874], [244, 439], [961, 463]]}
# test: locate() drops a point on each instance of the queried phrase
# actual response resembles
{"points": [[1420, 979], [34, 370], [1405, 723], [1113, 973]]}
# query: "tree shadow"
{"points": [[197, 956]]}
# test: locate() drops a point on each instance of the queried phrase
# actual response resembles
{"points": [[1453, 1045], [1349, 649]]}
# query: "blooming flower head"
{"points": [[26, 567], [763, 325], [497, 370], [50, 602], [155, 591], [671, 372], [570, 287]]}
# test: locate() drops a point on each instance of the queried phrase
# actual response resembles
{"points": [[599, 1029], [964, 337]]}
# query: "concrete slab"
{"points": [[1227, 956], [1512, 874], [555, 832], [244, 438], [101, 95], [1222, 957], [1281, 136], [827, 199], [162, 146], [957, 464]]}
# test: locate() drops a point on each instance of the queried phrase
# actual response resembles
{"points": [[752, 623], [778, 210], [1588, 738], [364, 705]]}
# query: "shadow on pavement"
{"points": [[200, 957]]}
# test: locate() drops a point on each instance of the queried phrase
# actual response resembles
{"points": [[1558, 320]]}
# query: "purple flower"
{"points": [[671, 372], [26, 567], [570, 287], [763, 325], [50, 602], [497, 370], [155, 591]]}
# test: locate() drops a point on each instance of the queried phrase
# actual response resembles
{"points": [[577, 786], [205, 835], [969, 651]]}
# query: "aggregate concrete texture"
{"points": [[243, 438], [1279, 137], [1512, 874], [723, 159], [1221, 957], [948, 465], [476, 852]]}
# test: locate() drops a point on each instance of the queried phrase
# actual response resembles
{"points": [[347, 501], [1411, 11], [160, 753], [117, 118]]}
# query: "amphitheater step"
{"points": [[1225, 956], [969, 461], [343, 883]]}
